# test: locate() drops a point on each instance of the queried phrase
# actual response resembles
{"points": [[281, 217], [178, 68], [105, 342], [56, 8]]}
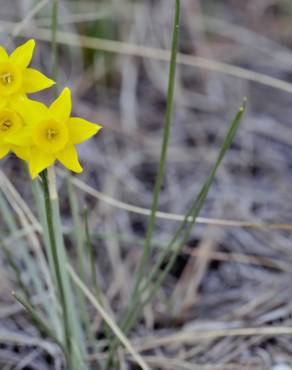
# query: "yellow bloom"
{"points": [[52, 134], [10, 124], [15, 76]]}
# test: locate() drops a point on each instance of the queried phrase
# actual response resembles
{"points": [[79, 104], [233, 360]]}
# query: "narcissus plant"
{"points": [[51, 134], [36, 133], [40, 136], [16, 78]]}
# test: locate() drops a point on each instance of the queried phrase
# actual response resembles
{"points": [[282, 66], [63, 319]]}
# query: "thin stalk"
{"points": [[91, 256], [57, 267], [78, 230], [78, 343], [39, 321], [24, 255], [41, 212], [107, 318], [159, 177], [54, 28], [79, 237], [15, 268], [163, 153], [175, 244], [180, 237], [194, 212], [96, 287]]}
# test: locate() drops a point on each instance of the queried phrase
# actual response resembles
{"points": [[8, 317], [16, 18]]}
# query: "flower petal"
{"points": [[3, 54], [69, 158], [22, 138], [34, 81], [81, 130], [3, 101], [31, 111], [61, 107], [21, 152], [39, 161], [22, 55], [4, 149]]}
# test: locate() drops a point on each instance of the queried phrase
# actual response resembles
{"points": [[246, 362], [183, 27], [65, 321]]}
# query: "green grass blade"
{"points": [[77, 341], [91, 256], [24, 254], [107, 318], [183, 232], [164, 150], [15, 269], [72, 309], [78, 230], [96, 288], [54, 28], [159, 177], [39, 321], [81, 243]]}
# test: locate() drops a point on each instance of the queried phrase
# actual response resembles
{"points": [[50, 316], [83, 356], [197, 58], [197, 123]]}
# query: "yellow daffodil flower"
{"points": [[10, 124], [52, 134], [16, 78]]}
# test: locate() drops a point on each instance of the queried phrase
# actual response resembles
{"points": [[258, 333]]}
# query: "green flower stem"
{"points": [[156, 277], [54, 27], [163, 154], [49, 195], [158, 183], [182, 233], [184, 230]]}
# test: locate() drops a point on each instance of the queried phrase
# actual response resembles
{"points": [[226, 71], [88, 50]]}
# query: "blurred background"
{"points": [[234, 275]]}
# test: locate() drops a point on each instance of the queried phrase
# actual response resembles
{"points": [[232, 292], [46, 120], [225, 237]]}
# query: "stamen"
{"points": [[5, 125], [51, 133], [6, 78]]}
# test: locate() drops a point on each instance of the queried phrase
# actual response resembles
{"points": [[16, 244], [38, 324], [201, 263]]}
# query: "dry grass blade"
{"points": [[177, 364], [225, 303], [193, 336], [118, 47], [114, 327], [30, 15], [172, 216]]}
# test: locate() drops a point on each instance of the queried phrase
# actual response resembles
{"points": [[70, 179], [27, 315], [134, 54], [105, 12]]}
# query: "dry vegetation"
{"points": [[227, 302]]}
